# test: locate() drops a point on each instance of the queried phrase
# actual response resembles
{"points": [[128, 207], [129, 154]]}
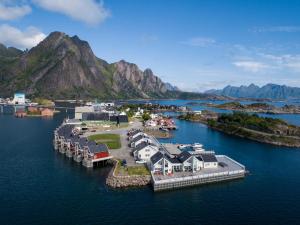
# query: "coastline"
{"points": [[262, 137], [117, 181]]}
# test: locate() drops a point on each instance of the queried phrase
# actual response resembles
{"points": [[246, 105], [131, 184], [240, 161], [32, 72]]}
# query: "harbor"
{"points": [[170, 166]]}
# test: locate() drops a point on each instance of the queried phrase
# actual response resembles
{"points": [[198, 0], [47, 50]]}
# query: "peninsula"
{"points": [[250, 126], [256, 108]]}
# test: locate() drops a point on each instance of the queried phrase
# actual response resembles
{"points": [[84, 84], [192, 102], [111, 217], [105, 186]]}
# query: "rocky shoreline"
{"points": [[117, 181], [285, 135], [256, 108]]}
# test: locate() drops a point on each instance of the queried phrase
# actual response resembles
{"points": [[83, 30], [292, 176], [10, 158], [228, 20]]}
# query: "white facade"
{"points": [[163, 166], [210, 165], [82, 109], [105, 104], [146, 153], [19, 98], [136, 135]]}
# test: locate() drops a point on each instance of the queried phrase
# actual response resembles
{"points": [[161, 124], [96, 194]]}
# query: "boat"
{"points": [[183, 146], [197, 147]]}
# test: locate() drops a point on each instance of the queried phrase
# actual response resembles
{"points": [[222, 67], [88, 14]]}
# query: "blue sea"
{"points": [[40, 186]]}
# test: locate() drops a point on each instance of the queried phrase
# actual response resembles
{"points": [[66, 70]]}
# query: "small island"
{"points": [[256, 108], [250, 126]]}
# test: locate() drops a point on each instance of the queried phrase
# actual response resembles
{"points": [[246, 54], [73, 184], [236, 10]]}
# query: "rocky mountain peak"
{"points": [[66, 67]]}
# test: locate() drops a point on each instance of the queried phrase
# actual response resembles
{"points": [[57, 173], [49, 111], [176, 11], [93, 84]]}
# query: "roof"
{"points": [[209, 157], [83, 142], [65, 130], [183, 156], [134, 132], [140, 137], [173, 160], [156, 157], [95, 148], [140, 146], [95, 116]]}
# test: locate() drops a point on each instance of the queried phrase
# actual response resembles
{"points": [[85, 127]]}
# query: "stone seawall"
{"points": [[116, 181]]}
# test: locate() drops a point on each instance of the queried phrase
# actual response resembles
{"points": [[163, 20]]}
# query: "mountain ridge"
{"points": [[271, 91], [61, 66]]}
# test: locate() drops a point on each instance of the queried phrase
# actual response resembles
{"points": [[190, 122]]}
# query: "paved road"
{"points": [[125, 151]]}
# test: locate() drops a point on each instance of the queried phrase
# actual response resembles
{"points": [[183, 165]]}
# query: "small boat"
{"points": [[183, 146], [198, 147]]}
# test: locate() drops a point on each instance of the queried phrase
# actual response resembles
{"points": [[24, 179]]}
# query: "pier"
{"points": [[228, 169]]}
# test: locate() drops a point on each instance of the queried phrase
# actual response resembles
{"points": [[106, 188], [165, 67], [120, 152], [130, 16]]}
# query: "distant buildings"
{"points": [[100, 112], [19, 99]]}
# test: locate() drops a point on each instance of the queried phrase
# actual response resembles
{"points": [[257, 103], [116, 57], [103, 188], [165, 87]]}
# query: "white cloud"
{"points": [[9, 12], [251, 66], [285, 61], [287, 29], [28, 38], [88, 11], [199, 42]]}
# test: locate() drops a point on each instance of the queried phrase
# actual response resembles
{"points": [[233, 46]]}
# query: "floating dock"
{"points": [[228, 169]]}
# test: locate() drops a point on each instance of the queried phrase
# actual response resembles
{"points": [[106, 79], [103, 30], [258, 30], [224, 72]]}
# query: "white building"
{"points": [[140, 139], [185, 162], [151, 123], [19, 99], [82, 109], [135, 134], [144, 151]]}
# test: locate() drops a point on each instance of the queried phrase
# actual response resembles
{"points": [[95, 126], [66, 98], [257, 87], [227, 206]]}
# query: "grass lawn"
{"points": [[131, 170], [111, 140]]}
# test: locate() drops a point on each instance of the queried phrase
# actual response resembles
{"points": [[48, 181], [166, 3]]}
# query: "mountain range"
{"points": [[271, 91], [64, 67]]}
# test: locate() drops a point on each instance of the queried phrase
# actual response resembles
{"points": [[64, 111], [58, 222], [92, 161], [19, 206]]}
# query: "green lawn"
{"points": [[111, 140], [131, 170]]}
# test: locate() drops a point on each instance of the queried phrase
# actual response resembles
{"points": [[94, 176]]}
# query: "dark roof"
{"points": [[199, 158], [140, 137], [209, 157], [65, 130], [95, 116], [134, 132], [183, 156], [95, 148], [123, 118], [156, 157], [83, 142], [173, 160], [140, 146]]}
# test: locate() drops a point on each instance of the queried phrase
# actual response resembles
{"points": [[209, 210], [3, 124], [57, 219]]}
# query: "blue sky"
{"points": [[196, 45]]}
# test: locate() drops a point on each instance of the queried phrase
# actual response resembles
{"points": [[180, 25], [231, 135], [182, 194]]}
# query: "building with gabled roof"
{"points": [[144, 151]]}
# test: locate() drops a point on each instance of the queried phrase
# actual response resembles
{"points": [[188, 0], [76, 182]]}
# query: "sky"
{"points": [[196, 45]]}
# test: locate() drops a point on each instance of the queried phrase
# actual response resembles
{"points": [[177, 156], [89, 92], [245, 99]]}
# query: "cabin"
{"points": [[94, 152], [144, 151], [161, 163], [134, 134], [140, 139]]}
